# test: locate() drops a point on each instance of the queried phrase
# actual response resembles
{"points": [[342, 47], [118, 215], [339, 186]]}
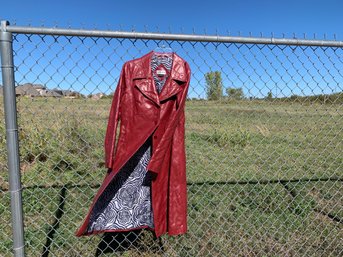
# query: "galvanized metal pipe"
{"points": [[179, 37], [15, 187]]}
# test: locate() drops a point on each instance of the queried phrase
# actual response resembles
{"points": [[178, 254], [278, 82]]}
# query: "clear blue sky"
{"points": [[222, 17], [266, 16]]}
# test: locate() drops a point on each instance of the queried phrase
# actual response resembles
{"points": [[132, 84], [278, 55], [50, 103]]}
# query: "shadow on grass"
{"points": [[120, 242], [53, 228]]}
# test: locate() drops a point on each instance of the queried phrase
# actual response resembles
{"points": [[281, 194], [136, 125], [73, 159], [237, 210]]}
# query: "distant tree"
{"points": [[269, 95], [235, 93], [214, 85], [294, 97]]}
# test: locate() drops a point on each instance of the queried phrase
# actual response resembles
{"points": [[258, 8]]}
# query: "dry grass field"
{"points": [[264, 178]]}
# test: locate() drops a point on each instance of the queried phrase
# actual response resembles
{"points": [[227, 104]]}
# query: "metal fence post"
{"points": [[10, 107]]}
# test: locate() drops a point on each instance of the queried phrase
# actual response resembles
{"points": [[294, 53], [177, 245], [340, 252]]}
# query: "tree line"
{"points": [[214, 87], [214, 91]]}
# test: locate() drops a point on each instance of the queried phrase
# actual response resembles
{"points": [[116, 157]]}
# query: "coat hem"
{"points": [[112, 230], [107, 180]]}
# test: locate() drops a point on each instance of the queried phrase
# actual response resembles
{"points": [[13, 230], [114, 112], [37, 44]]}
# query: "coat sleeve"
{"points": [[114, 117], [165, 143], [178, 186]]}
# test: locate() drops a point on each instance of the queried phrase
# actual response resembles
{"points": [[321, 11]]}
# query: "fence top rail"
{"points": [[167, 36]]}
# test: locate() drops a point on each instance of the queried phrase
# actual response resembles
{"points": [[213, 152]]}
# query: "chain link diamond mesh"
{"points": [[264, 157]]}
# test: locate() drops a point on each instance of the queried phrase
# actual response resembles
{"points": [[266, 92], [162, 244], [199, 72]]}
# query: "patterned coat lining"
{"points": [[126, 201]]}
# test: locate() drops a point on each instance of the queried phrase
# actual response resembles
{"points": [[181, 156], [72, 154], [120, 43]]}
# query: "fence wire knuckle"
{"points": [[263, 142]]}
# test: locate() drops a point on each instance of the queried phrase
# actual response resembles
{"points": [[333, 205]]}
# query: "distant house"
{"points": [[38, 90], [71, 94], [97, 96], [28, 90], [50, 93]]}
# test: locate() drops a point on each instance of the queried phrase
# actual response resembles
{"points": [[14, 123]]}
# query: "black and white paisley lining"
{"points": [[126, 201], [157, 60]]}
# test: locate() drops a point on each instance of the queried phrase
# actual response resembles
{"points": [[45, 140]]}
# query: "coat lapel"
{"points": [[146, 87], [143, 79], [171, 88], [177, 78]]}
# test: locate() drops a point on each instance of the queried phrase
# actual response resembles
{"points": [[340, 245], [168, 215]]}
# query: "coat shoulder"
{"points": [[138, 68]]}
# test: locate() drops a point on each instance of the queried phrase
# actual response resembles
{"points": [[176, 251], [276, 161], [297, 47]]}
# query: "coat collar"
{"points": [[143, 79]]}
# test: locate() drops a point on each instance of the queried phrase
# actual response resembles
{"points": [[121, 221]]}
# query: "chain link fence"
{"points": [[263, 145]]}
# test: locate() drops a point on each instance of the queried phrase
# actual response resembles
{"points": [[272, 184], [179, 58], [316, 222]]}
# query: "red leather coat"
{"points": [[143, 113]]}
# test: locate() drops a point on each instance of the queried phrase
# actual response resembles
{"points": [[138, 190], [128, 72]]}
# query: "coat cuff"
{"points": [[153, 167]]}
